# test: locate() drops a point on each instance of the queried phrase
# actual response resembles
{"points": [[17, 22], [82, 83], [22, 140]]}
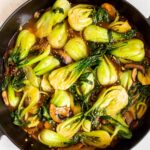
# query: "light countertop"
{"points": [[8, 6]]}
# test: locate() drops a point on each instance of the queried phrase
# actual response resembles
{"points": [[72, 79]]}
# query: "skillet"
{"points": [[20, 17]]}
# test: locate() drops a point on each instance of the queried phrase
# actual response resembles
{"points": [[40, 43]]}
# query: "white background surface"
{"points": [[8, 6]]}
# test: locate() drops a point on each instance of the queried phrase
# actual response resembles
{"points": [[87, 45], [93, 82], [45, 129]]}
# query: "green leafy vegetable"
{"points": [[79, 16], [55, 15], [110, 101], [5, 83], [32, 94], [17, 120], [24, 42], [18, 80], [43, 113], [71, 126], [126, 79], [62, 98], [35, 59], [100, 15], [64, 77], [58, 10], [132, 50], [58, 36], [76, 48], [120, 129], [45, 85], [53, 139], [106, 72], [96, 33], [12, 98], [120, 26], [47, 64], [99, 138], [31, 77]]}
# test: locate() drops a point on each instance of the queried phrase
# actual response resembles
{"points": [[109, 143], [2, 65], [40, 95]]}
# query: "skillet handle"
{"points": [[148, 20]]}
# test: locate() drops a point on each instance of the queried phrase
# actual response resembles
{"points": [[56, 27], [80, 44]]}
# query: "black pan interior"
{"points": [[20, 17]]}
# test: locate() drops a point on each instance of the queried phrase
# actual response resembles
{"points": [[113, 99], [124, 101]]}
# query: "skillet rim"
{"points": [[2, 129]]}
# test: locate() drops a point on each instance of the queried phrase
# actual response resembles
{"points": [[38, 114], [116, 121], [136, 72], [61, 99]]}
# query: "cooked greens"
{"points": [[95, 33], [55, 15], [58, 36], [106, 72], [24, 42], [76, 48], [64, 77], [78, 75]]}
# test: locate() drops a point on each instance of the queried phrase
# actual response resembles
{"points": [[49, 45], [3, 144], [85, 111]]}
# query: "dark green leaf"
{"points": [[5, 83], [129, 35], [83, 78], [76, 96], [138, 92], [15, 57], [100, 15], [123, 131], [17, 120], [18, 80], [43, 113], [58, 10]]}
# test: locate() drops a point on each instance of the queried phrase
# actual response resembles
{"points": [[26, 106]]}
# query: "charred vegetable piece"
{"points": [[25, 41], [62, 78], [58, 36], [53, 139], [106, 72], [76, 48], [47, 64], [79, 16]]}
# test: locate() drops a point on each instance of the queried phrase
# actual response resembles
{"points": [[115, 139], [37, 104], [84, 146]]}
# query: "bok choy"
{"points": [[62, 78], [53, 139]]}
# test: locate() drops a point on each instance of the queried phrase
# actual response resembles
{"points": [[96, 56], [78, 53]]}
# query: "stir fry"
{"points": [[77, 77]]}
